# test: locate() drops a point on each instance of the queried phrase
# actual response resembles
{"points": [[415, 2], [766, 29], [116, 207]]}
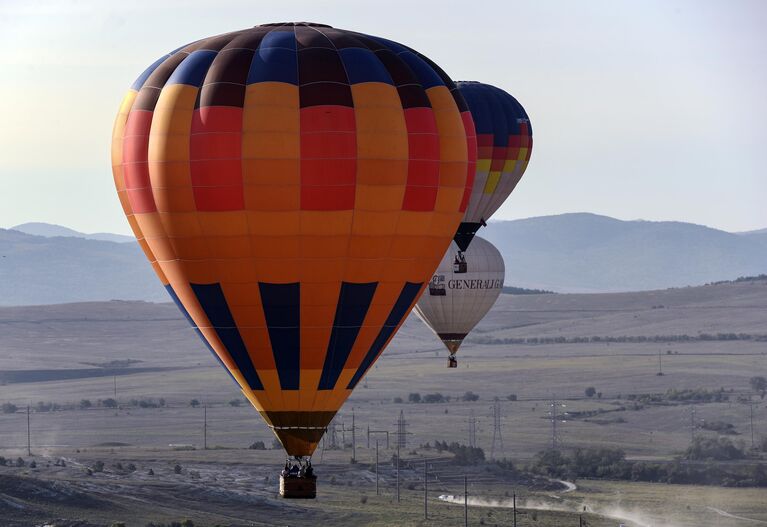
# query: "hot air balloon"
{"points": [[456, 301], [294, 186], [504, 144]]}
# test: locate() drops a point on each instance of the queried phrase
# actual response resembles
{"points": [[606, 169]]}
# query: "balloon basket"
{"points": [[298, 487], [452, 362]]}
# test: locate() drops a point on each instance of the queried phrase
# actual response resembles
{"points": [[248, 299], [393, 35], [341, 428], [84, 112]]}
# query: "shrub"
{"points": [[194, 403], [470, 397], [398, 400], [20, 462], [98, 466], [85, 403], [258, 445], [235, 402], [414, 398], [109, 403], [9, 408], [590, 391], [177, 469], [705, 448], [511, 397]]}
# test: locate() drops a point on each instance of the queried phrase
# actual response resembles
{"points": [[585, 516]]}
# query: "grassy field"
{"points": [[170, 363]]}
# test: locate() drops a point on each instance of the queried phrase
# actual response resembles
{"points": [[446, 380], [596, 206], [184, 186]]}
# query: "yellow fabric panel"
{"points": [[483, 165], [379, 198], [224, 223], [271, 145], [271, 382], [508, 166], [452, 134], [492, 182], [382, 172], [181, 225], [373, 222], [307, 392], [260, 97], [272, 198], [118, 131], [314, 223]]}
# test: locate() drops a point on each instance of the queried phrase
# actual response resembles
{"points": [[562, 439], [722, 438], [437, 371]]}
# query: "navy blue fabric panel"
{"points": [[139, 82], [275, 59], [426, 75], [181, 307], [193, 68], [353, 304], [282, 310], [213, 302], [501, 121], [362, 65], [398, 312], [480, 110]]}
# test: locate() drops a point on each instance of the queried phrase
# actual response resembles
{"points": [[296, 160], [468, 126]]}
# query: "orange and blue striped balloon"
{"points": [[294, 187]]}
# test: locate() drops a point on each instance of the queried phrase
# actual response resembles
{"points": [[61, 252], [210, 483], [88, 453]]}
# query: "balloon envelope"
{"points": [[294, 187], [504, 145], [454, 303]]}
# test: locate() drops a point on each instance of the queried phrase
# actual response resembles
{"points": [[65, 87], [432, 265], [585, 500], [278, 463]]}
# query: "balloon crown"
{"points": [[308, 24]]}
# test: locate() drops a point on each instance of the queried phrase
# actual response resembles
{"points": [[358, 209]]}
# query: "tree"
{"points": [[9, 408], [590, 391], [258, 445], [470, 397], [758, 384], [512, 397], [414, 398], [85, 403], [194, 403], [109, 403], [398, 400], [235, 402]]}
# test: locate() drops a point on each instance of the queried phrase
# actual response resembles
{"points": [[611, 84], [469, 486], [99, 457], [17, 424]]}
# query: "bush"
{"points": [[511, 397], [98, 466], [20, 462], [258, 445], [434, 398], [177, 469], [9, 408], [705, 448], [194, 403], [414, 398], [590, 391], [109, 403], [85, 403], [235, 402], [398, 400], [33, 464], [470, 397], [363, 499]]}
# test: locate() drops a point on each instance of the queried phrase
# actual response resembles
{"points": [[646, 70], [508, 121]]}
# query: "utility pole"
{"points": [[115, 386], [660, 365], [29, 439], [205, 427], [354, 439], [397, 471], [425, 489], [692, 424], [554, 416], [465, 501], [376, 467], [751, 406], [514, 505], [401, 431], [496, 428]]}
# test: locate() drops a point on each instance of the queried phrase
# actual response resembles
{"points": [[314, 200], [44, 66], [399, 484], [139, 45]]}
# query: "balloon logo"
{"points": [[459, 297], [294, 186]]}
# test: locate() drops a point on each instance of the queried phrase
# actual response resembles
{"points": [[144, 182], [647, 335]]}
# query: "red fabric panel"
{"points": [[135, 165], [423, 165], [215, 150], [471, 168], [328, 158]]}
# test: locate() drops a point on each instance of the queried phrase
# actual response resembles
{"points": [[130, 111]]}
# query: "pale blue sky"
{"points": [[643, 109]]}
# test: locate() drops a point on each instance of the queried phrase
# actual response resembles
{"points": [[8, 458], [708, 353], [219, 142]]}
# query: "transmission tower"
{"points": [[497, 436], [401, 435], [332, 435], [556, 415], [472, 422]]}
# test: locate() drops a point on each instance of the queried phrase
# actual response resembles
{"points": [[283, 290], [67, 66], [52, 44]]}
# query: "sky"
{"points": [[651, 109]]}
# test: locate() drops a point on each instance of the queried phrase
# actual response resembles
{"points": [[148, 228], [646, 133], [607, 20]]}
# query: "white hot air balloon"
{"points": [[463, 289]]}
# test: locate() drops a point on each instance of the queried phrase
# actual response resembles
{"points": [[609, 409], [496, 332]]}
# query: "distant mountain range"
{"points": [[47, 264], [589, 253], [50, 230]]}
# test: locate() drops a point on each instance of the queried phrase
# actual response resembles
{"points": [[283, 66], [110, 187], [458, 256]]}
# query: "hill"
{"points": [[40, 270], [565, 253], [590, 253], [50, 230]]}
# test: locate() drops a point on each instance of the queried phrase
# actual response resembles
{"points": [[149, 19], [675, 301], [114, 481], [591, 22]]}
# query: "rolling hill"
{"points": [[565, 253]]}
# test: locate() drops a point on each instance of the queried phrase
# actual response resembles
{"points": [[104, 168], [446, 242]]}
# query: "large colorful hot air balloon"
{"points": [[504, 144], [294, 187], [456, 301]]}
